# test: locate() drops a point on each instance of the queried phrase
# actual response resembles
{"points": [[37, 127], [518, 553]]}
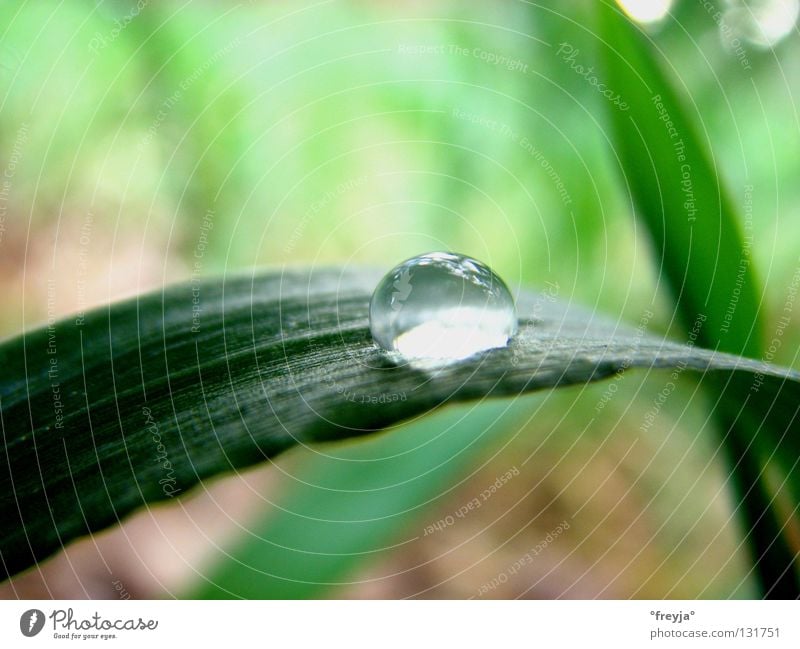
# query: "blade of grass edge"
{"points": [[695, 230]]}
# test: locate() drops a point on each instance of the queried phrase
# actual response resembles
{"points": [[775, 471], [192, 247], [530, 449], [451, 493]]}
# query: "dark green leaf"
{"points": [[138, 402]]}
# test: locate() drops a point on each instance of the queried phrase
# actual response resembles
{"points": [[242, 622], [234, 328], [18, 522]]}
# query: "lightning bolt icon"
{"points": [[32, 620]]}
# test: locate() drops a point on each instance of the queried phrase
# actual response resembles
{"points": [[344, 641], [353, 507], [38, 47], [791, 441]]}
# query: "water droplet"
{"points": [[441, 307]]}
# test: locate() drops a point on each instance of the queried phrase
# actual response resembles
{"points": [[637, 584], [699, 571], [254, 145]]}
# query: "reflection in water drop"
{"points": [[761, 22], [646, 11], [440, 307]]}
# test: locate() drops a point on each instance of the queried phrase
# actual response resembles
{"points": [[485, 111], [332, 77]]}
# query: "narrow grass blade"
{"points": [[677, 192]]}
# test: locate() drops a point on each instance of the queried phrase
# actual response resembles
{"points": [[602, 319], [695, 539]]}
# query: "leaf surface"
{"points": [[673, 181], [139, 401]]}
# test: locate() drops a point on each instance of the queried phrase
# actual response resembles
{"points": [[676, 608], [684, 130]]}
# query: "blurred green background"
{"points": [[142, 144]]}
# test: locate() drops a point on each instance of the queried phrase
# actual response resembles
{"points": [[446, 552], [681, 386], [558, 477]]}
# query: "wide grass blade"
{"points": [[137, 402]]}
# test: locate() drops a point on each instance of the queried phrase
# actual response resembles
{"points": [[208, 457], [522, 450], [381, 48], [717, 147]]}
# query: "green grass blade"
{"points": [[679, 196], [138, 402], [354, 508]]}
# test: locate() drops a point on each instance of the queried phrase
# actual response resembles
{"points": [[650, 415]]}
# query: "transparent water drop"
{"points": [[441, 307]]}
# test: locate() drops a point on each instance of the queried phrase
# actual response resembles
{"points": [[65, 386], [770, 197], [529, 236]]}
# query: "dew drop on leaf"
{"points": [[441, 307]]}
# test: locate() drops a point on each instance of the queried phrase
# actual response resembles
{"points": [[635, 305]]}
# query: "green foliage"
{"points": [[352, 505], [138, 402], [706, 262], [312, 133]]}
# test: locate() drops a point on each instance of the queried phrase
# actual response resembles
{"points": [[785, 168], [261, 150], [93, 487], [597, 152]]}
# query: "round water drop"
{"points": [[441, 307]]}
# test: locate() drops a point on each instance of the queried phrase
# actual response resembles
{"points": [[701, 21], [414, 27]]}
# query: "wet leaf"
{"points": [[137, 402]]}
